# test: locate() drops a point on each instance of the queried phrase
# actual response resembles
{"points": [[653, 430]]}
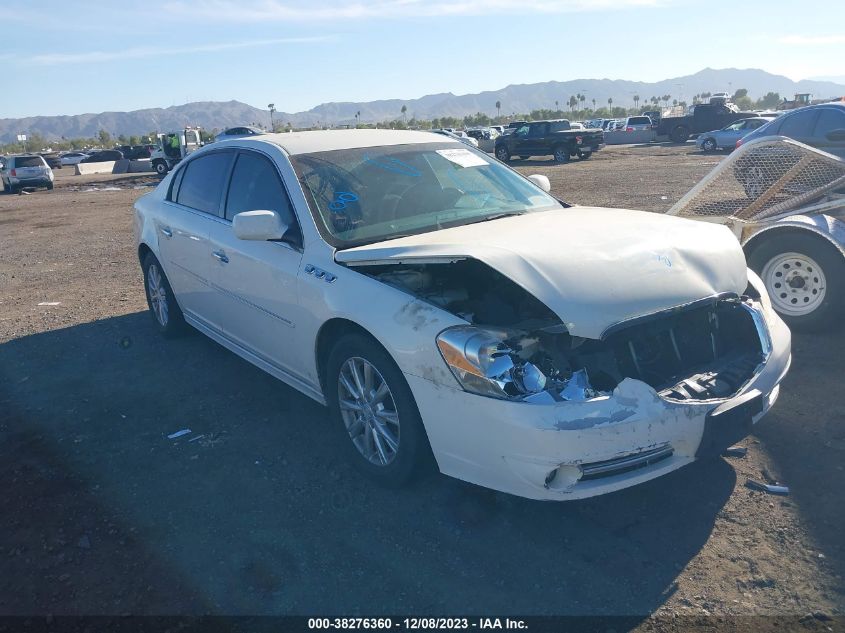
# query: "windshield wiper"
{"points": [[496, 216]]}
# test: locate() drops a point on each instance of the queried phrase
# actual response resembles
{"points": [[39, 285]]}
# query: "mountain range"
{"points": [[514, 99]]}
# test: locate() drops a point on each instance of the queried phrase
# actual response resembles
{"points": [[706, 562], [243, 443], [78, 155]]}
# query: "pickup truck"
{"points": [[549, 138], [703, 118]]}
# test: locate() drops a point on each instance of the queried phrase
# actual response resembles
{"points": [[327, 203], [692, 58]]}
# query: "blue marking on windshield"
{"points": [[394, 165]]}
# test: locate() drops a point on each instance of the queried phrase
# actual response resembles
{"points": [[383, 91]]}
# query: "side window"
{"points": [[174, 186], [830, 119], [256, 186], [799, 124], [203, 182], [535, 130]]}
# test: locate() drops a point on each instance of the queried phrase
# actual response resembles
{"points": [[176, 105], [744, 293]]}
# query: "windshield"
{"points": [[364, 195]]}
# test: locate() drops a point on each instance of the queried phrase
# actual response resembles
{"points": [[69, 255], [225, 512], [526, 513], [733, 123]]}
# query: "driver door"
{"points": [[256, 281]]}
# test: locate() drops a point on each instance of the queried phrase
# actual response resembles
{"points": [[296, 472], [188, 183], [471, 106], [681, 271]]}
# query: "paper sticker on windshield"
{"points": [[462, 157]]}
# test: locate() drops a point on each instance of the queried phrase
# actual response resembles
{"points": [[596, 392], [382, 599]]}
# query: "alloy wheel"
{"points": [[368, 411], [158, 294]]}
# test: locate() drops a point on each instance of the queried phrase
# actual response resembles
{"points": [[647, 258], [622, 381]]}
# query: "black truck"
{"points": [[549, 138], [703, 118]]}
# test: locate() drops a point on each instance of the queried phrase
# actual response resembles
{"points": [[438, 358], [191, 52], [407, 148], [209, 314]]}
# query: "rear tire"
{"points": [[584, 155], [160, 299], [804, 276], [503, 154], [560, 154], [679, 134], [389, 415], [50, 187], [160, 167]]}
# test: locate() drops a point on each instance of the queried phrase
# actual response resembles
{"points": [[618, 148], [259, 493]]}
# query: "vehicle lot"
{"points": [[262, 515]]}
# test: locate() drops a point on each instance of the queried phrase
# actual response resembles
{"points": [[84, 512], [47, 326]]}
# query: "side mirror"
{"points": [[258, 226], [541, 181], [836, 135]]}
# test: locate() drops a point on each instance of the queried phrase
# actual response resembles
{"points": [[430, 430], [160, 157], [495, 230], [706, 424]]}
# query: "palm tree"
{"points": [[666, 100], [637, 101], [557, 106], [610, 105], [272, 108], [594, 103], [357, 118], [404, 110], [582, 99], [498, 109], [572, 101]]}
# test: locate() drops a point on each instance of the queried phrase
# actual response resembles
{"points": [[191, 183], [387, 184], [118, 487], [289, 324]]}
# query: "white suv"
{"points": [[26, 170], [442, 304]]}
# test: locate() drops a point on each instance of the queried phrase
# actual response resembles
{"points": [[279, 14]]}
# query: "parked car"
{"points": [[703, 118], [727, 137], [499, 128], [103, 156], [636, 124], [239, 132], [821, 126], [53, 159], [136, 152], [457, 135], [440, 303], [26, 170], [549, 138], [72, 158]]}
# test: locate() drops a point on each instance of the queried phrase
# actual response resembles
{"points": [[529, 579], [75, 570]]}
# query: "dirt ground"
{"points": [[102, 514]]}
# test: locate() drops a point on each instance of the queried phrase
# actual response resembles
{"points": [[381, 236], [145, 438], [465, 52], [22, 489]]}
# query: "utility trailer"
{"points": [[785, 202]]}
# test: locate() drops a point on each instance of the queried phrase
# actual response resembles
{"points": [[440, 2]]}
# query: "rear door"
{"points": [[30, 167], [829, 134], [799, 125], [193, 207], [256, 281]]}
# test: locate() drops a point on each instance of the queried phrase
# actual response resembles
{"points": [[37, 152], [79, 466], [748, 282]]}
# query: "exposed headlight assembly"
{"points": [[483, 363]]}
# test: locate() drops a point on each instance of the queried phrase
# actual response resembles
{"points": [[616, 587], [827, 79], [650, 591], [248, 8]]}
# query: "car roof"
{"points": [[327, 140]]}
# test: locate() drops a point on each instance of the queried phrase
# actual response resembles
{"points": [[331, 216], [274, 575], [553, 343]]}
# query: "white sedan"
{"points": [[439, 303]]}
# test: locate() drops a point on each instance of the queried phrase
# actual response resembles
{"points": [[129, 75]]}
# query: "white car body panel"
{"points": [[591, 277], [593, 267]]}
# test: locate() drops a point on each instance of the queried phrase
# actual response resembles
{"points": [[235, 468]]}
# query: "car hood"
{"points": [[593, 267]]}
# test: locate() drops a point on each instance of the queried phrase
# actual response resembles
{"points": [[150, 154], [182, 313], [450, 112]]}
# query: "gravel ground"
{"points": [[102, 514]]}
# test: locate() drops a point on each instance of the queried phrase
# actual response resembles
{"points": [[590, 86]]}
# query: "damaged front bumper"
{"points": [[576, 449]]}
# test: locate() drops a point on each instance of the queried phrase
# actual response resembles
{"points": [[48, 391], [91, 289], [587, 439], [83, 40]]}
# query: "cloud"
{"points": [[812, 40], [92, 57], [306, 10]]}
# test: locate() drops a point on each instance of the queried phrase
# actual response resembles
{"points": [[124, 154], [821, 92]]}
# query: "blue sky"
{"points": [[93, 56]]}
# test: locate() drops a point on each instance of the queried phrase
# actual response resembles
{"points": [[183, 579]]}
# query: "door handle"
{"points": [[220, 256], [166, 231]]}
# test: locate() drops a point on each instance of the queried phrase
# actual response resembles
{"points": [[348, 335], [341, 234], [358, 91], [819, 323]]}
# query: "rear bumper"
{"points": [[41, 181]]}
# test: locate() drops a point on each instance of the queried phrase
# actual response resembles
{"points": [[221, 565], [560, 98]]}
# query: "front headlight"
{"points": [[483, 363]]}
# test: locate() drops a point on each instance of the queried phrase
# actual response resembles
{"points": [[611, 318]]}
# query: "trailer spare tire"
{"points": [[804, 275], [679, 134]]}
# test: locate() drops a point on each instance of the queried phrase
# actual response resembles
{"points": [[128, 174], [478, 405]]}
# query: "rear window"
{"points": [[639, 120], [559, 126], [29, 161], [203, 181]]}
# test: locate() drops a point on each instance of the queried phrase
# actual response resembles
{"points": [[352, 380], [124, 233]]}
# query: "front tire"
{"points": [[561, 154], [709, 145], [805, 278], [161, 300], [374, 410]]}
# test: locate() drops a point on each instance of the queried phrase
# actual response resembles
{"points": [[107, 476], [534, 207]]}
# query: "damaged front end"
{"points": [[515, 348]]}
